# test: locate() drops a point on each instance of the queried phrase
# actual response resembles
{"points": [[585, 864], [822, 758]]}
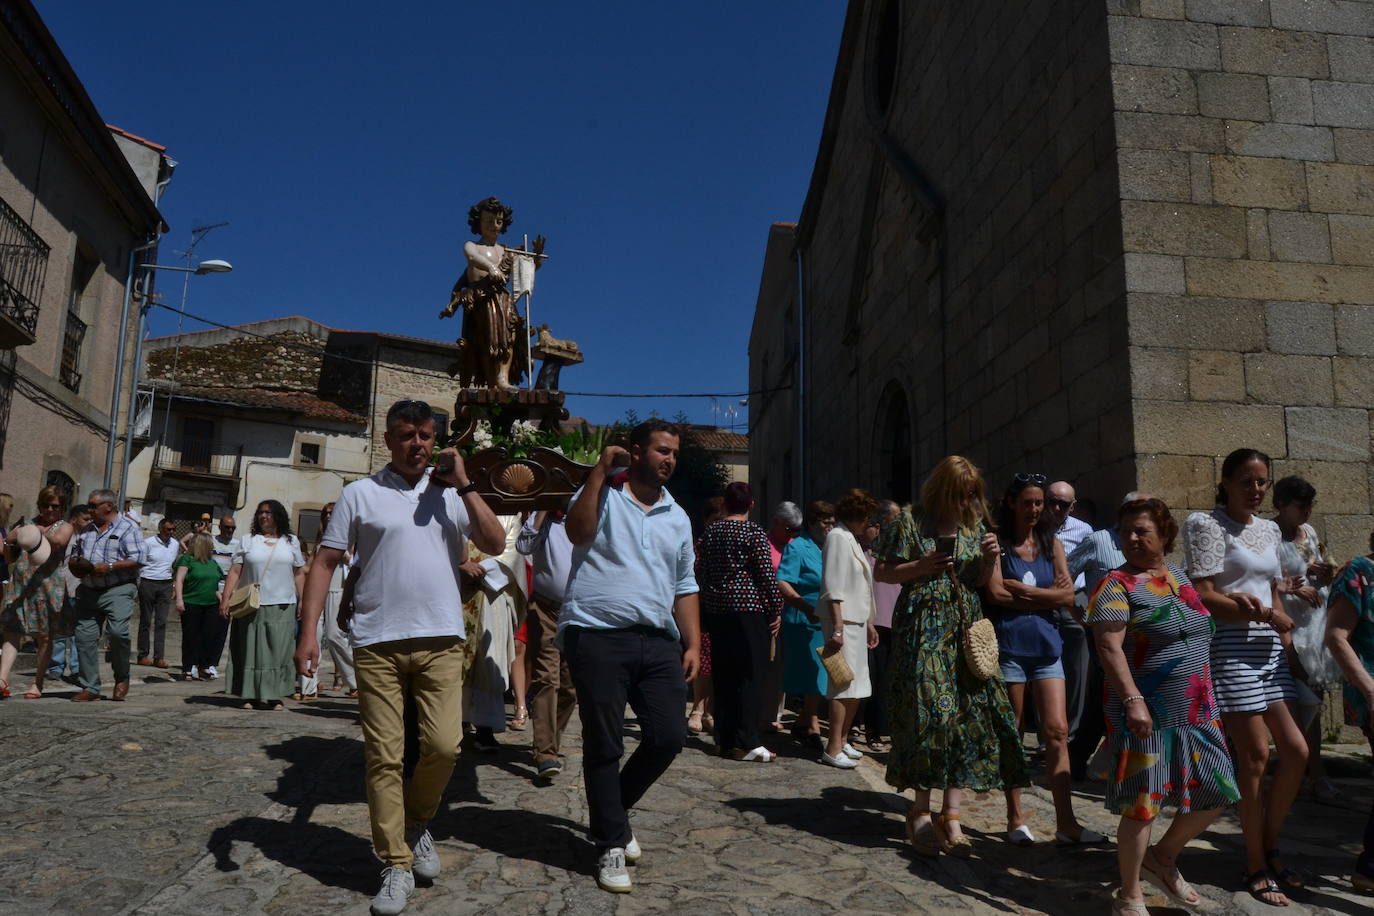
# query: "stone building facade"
{"points": [[1107, 239], [76, 205], [286, 409]]}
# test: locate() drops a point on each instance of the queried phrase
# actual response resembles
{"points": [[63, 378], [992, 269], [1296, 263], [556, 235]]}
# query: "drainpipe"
{"points": [[112, 433], [133, 402]]}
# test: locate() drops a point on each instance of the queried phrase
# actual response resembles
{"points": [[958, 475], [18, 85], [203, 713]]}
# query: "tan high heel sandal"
{"points": [[961, 847], [927, 842]]}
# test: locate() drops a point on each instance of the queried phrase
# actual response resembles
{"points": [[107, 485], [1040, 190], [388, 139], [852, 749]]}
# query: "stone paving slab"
{"points": [[179, 802]]}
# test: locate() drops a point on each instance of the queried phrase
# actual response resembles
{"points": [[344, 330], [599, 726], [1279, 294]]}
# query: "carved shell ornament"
{"points": [[516, 478]]}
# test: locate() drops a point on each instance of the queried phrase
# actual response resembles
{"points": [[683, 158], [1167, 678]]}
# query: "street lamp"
{"points": [[214, 266]]}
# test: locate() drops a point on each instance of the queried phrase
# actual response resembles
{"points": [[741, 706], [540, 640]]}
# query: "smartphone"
{"points": [[946, 544]]}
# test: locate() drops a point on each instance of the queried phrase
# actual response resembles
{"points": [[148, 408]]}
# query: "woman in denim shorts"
{"points": [[1023, 591]]}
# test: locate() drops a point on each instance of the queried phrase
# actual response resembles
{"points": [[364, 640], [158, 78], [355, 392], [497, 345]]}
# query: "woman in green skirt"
{"points": [[950, 730], [261, 644]]}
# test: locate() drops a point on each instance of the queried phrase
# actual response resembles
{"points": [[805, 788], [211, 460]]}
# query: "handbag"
{"points": [[246, 599], [836, 668], [977, 640]]}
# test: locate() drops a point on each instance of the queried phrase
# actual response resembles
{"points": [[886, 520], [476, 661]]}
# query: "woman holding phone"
{"points": [[950, 731], [1029, 583]]}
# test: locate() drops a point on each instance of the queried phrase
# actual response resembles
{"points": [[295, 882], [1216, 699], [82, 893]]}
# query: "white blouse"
{"points": [[1238, 558], [272, 563]]}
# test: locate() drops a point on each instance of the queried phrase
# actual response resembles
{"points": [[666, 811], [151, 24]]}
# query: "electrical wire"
{"points": [[305, 348]]}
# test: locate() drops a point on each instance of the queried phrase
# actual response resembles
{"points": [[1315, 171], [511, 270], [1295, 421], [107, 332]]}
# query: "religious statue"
{"points": [[492, 350]]}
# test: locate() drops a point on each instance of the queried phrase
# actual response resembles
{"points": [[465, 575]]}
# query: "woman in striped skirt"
{"points": [[1232, 556]]}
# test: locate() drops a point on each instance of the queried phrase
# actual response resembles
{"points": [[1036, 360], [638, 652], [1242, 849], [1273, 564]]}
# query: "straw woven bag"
{"points": [[836, 668], [978, 640]]}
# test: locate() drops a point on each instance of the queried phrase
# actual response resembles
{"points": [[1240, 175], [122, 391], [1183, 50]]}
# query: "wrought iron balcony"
{"points": [[23, 268], [198, 459]]}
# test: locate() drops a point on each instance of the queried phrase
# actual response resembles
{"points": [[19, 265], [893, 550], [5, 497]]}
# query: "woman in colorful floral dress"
{"points": [[1350, 636], [34, 596], [950, 730], [1154, 638]]}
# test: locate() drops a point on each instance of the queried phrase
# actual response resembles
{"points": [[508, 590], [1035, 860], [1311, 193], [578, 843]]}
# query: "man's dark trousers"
{"points": [[643, 666]]}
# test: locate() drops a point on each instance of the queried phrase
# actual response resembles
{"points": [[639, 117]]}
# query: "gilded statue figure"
{"points": [[492, 348]]}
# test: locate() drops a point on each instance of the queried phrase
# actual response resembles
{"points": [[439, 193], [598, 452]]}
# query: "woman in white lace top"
{"points": [[1232, 557]]}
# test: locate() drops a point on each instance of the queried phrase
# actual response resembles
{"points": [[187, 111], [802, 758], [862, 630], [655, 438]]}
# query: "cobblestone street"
{"points": [[179, 802]]}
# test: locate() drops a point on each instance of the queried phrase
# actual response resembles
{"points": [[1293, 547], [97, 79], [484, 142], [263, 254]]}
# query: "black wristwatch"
{"points": [[470, 488]]}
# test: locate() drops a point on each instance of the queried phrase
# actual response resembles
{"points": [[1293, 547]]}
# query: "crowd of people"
{"points": [[1190, 671], [1169, 681]]}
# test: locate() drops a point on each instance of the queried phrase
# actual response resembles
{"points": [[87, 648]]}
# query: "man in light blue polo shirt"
{"points": [[630, 630]]}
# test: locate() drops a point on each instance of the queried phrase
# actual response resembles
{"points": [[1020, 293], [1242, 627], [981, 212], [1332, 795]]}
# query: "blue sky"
{"points": [[343, 142]]}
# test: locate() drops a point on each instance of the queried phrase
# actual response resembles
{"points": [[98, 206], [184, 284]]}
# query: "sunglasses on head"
{"points": [[1023, 480]]}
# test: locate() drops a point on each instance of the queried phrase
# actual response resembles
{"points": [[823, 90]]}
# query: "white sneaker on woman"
{"points": [[852, 753], [843, 762]]}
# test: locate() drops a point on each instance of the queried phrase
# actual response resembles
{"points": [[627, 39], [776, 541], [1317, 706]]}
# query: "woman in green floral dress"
{"points": [[950, 730]]}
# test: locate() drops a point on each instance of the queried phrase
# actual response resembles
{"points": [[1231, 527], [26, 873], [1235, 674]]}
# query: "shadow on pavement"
{"points": [[858, 817], [518, 834], [319, 771]]}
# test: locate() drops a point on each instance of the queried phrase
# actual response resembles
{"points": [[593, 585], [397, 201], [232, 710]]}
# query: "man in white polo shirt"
{"points": [[410, 525]]}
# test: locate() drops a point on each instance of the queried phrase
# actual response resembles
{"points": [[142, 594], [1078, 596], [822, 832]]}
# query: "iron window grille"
{"points": [[71, 351], [23, 267]]}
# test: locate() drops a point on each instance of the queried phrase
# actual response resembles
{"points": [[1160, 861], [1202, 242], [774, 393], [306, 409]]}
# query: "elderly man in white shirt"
{"points": [[155, 594], [1060, 502]]}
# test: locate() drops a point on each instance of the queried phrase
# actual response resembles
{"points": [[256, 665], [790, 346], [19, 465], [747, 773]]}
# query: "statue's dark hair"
{"points": [[495, 206]]}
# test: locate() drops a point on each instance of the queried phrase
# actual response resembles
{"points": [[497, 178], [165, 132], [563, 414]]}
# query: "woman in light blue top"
{"points": [[799, 580], [1032, 580]]}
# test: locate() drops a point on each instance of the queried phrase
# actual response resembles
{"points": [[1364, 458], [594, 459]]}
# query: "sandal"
{"points": [[34, 693], [352, 694], [522, 715], [926, 841], [1126, 907], [959, 846], [1153, 872], [4, 690], [878, 746], [1287, 877], [1261, 885], [298, 697], [694, 723]]}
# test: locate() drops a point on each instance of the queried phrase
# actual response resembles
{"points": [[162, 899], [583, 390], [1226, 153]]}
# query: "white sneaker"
{"points": [[632, 851], [193, 674], [397, 886], [1020, 836], [426, 857], [843, 762], [212, 672], [611, 874], [852, 753]]}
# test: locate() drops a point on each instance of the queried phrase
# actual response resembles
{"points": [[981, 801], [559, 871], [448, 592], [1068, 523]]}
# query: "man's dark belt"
{"points": [[106, 588]]}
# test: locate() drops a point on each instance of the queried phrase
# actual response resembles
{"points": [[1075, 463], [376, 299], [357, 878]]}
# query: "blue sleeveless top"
{"points": [[1027, 633]]}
